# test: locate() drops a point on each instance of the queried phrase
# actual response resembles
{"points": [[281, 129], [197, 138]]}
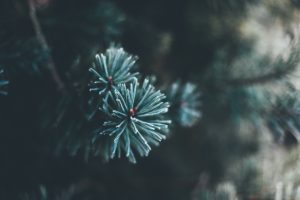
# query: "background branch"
{"points": [[42, 40]]}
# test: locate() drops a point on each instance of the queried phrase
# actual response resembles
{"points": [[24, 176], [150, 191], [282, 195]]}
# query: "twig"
{"points": [[43, 42]]}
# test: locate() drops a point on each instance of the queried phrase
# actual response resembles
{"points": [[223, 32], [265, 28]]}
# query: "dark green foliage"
{"points": [[210, 195], [29, 58], [58, 137], [81, 31], [223, 191], [245, 176], [43, 194], [221, 5]]}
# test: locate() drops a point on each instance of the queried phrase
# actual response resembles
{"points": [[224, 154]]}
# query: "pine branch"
{"points": [[278, 73], [42, 40], [262, 78], [111, 69], [134, 119]]}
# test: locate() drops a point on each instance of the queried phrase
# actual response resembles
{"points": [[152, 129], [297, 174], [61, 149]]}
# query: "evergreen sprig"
{"points": [[134, 119], [111, 69], [185, 103]]}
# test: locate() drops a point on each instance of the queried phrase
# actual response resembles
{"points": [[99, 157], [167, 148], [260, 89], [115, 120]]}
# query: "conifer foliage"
{"points": [[185, 103], [108, 122], [111, 69], [134, 112], [135, 118]]}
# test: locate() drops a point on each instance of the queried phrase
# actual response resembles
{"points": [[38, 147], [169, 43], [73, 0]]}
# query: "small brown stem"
{"points": [[43, 42]]}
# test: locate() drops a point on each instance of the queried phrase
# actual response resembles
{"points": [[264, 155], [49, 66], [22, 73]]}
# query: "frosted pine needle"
{"points": [[111, 69], [135, 119]]}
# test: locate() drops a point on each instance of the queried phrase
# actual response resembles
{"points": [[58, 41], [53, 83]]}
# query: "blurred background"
{"points": [[242, 55]]}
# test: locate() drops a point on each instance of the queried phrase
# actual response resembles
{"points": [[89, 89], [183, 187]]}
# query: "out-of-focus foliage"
{"points": [[240, 54], [29, 58], [284, 117], [79, 191], [3, 82], [185, 103], [223, 191]]}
